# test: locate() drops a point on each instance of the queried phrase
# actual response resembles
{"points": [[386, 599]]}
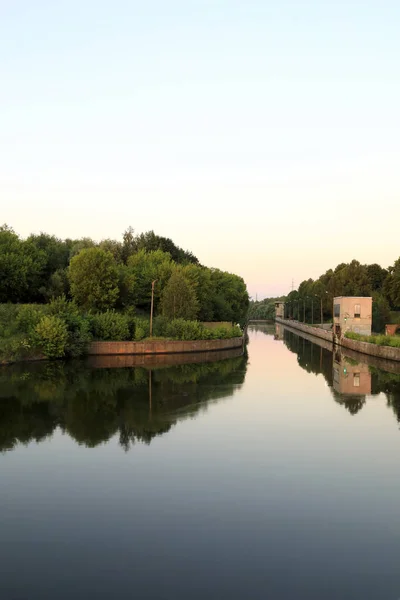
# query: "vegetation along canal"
{"points": [[273, 474]]}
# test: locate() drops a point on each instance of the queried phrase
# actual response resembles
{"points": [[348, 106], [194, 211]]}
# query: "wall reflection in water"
{"points": [[94, 401]]}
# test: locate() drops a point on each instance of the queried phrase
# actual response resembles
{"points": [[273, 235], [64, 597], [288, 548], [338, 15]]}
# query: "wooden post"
{"points": [[152, 306]]}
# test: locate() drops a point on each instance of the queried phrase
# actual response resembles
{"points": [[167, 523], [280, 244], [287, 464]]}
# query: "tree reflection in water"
{"points": [[92, 405]]}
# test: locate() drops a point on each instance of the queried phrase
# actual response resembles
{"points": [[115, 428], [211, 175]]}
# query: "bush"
{"points": [[142, 329], [180, 329], [79, 334], [28, 316], [112, 326], [14, 348], [380, 340], [51, 336]]}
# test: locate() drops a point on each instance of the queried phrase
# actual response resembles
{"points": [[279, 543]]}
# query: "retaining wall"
{"points": [[315, 331], [160, 360], [162, 346], [385, 352]]}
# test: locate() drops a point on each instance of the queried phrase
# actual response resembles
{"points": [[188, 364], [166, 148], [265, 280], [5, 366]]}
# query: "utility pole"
{"points": [[152, 306]]}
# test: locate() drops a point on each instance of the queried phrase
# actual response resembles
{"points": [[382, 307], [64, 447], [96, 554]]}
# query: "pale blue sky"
{"points": [[263, 136]]}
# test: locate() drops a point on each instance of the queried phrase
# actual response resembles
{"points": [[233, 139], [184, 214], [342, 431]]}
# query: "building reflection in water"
{"points": [[350, 378]]}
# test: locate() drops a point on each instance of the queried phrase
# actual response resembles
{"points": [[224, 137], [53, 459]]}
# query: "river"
{"points": [[269, 475]]}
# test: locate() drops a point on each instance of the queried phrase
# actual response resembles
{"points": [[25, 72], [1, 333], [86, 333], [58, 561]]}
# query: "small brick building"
{"points": [[280, 310], [352, 313]]}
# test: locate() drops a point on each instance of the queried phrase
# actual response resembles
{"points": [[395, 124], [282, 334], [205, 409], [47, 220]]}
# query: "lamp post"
{"points": [[304, 310], [322, 312], [152, 306], [312, 310]]}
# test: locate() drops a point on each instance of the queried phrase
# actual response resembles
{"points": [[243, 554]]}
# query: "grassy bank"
{"points": [[379, 340]]}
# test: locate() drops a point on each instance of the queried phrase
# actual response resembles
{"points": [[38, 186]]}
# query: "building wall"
{"points": [[347, 321], [280, 310]]}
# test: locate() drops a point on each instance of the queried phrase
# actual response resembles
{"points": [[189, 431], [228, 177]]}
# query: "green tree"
{"points": [[391, 286], [145, 267], [200, 278], [94, 277], [55, 259], [380, 312], [376, 276], [21, 265], [179, 297]]}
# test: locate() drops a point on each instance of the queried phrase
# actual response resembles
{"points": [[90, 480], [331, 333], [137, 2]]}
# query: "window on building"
{"points": [[357, 311], [336, 310], [356, 380]]}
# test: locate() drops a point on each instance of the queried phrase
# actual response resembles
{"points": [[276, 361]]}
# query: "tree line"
{"points": [[347, 279], [113, 274]]}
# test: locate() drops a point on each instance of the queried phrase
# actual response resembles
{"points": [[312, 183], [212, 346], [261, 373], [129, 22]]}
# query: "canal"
{"points": [[269, 475]]}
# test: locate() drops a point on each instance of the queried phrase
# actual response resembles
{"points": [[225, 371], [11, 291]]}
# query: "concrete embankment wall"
{"points": [[385, 352], [160, 360], [162, 346], [315, 331]]}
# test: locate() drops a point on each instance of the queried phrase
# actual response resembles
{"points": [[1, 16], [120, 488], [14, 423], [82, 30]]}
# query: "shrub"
{"points": [[142, 329], [111, 325], [380, 340], [14, 348], [28, 316], [79, 334], [51, 336], [186, 330]]}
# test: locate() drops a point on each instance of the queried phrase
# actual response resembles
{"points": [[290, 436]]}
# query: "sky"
{"points": [[262, 136]]}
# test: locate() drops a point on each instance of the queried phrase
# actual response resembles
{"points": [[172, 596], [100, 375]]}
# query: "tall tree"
{"points": [[178, 298], [94, 276]]}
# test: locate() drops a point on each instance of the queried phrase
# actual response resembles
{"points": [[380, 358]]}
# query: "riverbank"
{"points": [[384, 352]]}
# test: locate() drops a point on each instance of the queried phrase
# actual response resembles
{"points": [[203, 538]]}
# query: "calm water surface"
{"points": [[273, 475]]}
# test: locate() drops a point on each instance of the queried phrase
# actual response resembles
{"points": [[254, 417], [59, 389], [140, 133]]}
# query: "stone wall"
{"points": [[384, 352], [160, 360], [162, 346], [315, 331]]}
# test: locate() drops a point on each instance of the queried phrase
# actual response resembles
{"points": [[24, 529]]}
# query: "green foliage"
{"points": [[144, 268], [93, 275], [179, 299], [28, 316], [263, 310], [21, 264], [142, 329], [112, 326], [380, 340], [180, 329], [392, 285], [51, 336], [79, 332], [380, 312]]}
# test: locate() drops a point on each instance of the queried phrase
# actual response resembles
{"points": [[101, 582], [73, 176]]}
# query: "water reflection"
{"points": [[351, 376], [93, 402]]}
